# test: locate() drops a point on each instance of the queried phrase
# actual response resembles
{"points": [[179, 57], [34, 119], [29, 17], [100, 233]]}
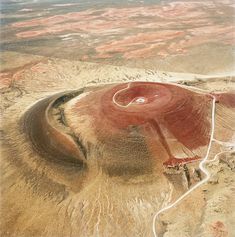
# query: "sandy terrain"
{"points": [[48, 197], [180, 36]]}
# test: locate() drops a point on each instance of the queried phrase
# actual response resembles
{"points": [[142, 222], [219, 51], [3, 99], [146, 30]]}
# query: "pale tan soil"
{"points": [[45, 198], [206, 59]]}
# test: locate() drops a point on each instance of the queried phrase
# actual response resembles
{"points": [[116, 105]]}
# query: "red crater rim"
{"points": [[147, 95], [161, 113]]}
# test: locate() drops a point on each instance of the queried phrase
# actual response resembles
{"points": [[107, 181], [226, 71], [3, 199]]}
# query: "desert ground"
{"points": [[52, 197], [81, 154]]}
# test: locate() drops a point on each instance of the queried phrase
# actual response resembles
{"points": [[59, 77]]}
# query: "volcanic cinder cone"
{"points": [[141, 125]]}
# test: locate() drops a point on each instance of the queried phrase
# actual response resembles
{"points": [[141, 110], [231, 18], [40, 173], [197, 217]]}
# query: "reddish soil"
{"points": [[160, 111], [119, 31]]}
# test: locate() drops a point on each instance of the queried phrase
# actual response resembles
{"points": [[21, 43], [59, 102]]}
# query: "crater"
{"points": [[128, 128]]}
